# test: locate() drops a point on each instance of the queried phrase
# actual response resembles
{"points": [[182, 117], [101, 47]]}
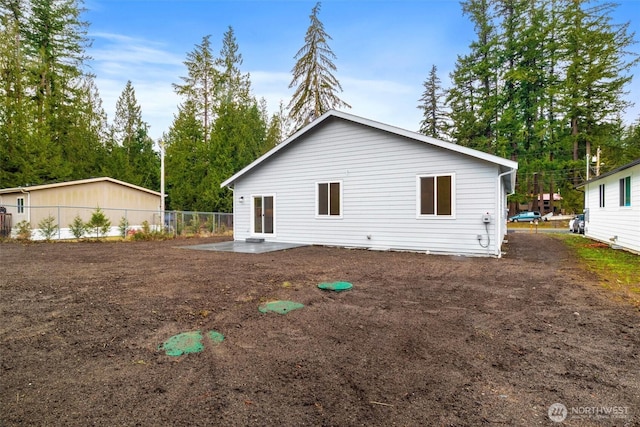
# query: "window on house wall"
{"points": [[625, 191], [436, 195], [329, 199], [20, 202], [601, 187]]}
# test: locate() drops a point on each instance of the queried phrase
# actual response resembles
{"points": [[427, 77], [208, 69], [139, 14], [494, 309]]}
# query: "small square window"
{"points": [[436, 195]]}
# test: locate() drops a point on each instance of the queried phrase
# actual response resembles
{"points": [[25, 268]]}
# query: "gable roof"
{"points": [[78, 182], [616, 170], [506, 165]]}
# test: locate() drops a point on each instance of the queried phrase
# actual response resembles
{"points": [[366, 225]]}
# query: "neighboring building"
{"points": [[546, 202], [66, 200], [612, 207], [347, 181]]}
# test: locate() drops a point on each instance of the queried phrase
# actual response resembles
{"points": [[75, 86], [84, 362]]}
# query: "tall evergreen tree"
{"points": [[13, 100], [432, 105], [44, 42], [132, 158], [187, 161], [128, 117], [598, 68], [313, 78], [234, 86], [473, 100], [201, 85], [542, 83]]}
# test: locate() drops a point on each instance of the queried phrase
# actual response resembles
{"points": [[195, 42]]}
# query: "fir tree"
{"points": [[432, 105], [313, 78]]}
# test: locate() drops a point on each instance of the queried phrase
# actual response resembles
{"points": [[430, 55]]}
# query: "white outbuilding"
{"points": [[347, 181]]}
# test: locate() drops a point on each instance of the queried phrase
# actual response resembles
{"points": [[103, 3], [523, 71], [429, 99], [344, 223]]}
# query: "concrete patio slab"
{"points": [[245, 247]]}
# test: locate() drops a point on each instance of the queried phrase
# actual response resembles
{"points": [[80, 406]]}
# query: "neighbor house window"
{"points": [[436, 195], [601, 187], [625, 191], [20, 202], [329, 199]]}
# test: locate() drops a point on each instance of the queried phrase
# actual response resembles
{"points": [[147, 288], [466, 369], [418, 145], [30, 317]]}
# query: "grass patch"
{"points": [[617, 270]]}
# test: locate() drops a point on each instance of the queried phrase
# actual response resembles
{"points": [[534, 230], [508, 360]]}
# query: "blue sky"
{"points": [[385, 49]]}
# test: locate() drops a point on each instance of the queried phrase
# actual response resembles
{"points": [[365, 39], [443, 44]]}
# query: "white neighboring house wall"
{"points": [[611, 218], [378, 172]]}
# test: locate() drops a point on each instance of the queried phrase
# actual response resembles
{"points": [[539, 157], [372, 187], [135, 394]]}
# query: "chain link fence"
{"points": [[58, 222]]}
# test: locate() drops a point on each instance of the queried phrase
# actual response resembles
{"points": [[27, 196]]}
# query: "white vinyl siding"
{"points": [[377, 171], [616, 222]]}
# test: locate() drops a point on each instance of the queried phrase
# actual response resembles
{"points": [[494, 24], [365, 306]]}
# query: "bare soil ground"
{"points": [[419, 340]]}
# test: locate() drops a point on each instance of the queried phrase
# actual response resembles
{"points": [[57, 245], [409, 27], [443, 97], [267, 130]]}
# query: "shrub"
{"points": [[78, 228], [99, 223], [123, 227], [48, 228], [23, 230]]}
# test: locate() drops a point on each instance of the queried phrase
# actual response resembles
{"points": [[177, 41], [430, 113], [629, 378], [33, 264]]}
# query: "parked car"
{"points": [[571, 222], [578, 224], [525, 216]]}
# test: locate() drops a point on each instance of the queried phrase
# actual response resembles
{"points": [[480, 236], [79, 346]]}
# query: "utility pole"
{"points": [[598, 162], [161, 144]]}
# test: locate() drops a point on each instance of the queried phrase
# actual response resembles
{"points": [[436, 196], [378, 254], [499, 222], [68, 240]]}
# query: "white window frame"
{"points": [[602, 195], [419, 213], [20, 205], [624, 202], [253, 232], [317, 195]]}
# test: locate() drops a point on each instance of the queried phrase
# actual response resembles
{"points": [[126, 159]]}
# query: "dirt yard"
{"points": [[420, 340]]}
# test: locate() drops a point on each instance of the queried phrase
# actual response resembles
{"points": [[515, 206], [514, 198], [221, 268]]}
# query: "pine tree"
{"points": [[432, 104], [597, 71], [187, 162], [128, 118], [313, 78], [201, 85], [233, 85], [473, 98], [132, 158], [13, 100]]}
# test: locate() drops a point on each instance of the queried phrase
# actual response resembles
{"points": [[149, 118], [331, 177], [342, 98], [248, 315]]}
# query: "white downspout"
{"points": [[28, 207], [501, 208]]}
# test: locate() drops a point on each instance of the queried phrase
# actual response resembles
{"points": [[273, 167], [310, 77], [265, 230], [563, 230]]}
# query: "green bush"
{"points": [[123, 227], [99, 223], [23, 230], [48, 228], [78, 228]]}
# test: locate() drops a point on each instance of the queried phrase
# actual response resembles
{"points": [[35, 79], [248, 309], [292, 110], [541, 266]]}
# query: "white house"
{"points": [[348, 181], [612, 207]]}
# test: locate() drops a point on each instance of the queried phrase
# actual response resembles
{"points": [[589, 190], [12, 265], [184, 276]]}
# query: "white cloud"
{"points": [[150, 67]]}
